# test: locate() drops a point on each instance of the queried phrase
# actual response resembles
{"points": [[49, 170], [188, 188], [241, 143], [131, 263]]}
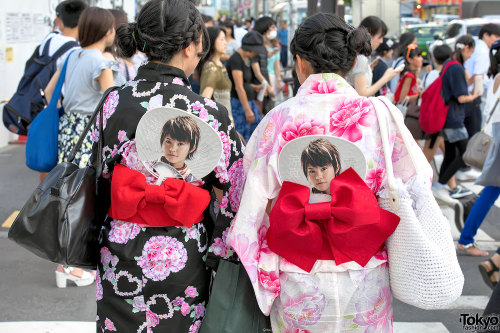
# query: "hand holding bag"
{"points": [[232, 306], [59, 220], [479, 145], [423, 266], [41, 145], [411, 120]]}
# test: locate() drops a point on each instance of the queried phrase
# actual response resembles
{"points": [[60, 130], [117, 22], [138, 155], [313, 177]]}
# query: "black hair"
{"points": [[263, 24], [490, 29], [320, 153], [69, 12], [120, 19], [404, 40], [374, 25], [94, 24], [229, 25], [182, 128], [465, 40], [213, 34], [329, 44], [206, 18], [494, 60], [384, 47], [410, 51], [163, 28], [442, 53]]}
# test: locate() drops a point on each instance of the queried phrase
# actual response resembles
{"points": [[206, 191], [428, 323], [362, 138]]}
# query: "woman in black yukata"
{"points": [[179, 140], [156, 257]]}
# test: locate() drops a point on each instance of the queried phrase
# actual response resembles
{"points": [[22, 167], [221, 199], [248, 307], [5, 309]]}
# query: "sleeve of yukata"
{"points": [[247, 235]]}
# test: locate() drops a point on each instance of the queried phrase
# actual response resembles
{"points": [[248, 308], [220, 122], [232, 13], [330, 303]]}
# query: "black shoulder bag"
{"points": [[59, 222]]}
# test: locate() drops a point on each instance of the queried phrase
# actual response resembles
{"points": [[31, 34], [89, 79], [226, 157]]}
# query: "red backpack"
{"points": [[433, 109]]}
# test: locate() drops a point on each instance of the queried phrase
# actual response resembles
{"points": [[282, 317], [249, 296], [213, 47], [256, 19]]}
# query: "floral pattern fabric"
{"points": [[71, 126], [156, 279], [331, 297]]}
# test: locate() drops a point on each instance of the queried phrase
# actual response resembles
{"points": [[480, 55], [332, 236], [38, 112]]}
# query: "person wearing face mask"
{"points": [[267, 28], [168, 264]]}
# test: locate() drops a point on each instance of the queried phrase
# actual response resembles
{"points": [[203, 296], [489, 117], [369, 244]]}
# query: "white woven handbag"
{"points": [[423, 265]]}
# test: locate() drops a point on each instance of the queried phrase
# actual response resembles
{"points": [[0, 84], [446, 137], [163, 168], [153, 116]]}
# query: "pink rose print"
{"points": [[237, 179], [203, 114], [95, 135], [348, 115], [226, 147], [248, 254], [195, 327], [210, 103], [155, 102], [270, 281], [192, 232], [197, 106], [106, 256], [295, 330], [322, 87], [304, 310], [191, 291], [122, 135], [110, 326], [199, 311], [300, 126], [381, 255], [121, 232], [98, 286], [219, 247], [109, 275], [224, 202], [185, 309], [161, 256], [178, 301], [108, 108], [178, 80], [378, 314], [374, 178], [152, 319], [270, 132], [138, 303]]}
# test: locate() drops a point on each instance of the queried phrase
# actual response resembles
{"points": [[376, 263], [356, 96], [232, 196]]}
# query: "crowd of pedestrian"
{"points": [[230, 74]]}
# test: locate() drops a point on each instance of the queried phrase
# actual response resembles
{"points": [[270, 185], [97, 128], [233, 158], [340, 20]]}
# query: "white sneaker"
{"points": [[442, 194], [470, 174]]}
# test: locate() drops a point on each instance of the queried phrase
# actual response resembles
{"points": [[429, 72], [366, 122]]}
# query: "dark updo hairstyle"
{"points": [[184, 129], [374, 25], [494, 59], [163, 29], [329, 44], [94, 24], [404, 40], [465, 40]]}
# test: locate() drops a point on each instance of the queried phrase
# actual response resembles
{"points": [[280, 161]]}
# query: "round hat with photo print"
{"points": [[152, 130], [289, 160]]}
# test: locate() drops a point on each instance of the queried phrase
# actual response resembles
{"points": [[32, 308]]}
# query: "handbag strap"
{"points": [[58, 89], [383, 107], [98, 110], [491, 114]]}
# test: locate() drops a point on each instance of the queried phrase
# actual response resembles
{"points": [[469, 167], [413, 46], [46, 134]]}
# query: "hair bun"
{"points": [[127, 36], [358, 41]]}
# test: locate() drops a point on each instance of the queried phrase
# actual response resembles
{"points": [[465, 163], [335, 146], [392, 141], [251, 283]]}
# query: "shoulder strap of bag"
{"points": [[46, 47], [98, 110], [65, 47], [57, 90], [451, 62], [383, 107]]}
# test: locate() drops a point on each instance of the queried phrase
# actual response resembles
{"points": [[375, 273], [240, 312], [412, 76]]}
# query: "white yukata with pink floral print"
{"points": [[331, 298]]}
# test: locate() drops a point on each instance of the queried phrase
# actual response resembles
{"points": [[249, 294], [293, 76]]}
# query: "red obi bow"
{"points": [[173, 203], [352, 227]]}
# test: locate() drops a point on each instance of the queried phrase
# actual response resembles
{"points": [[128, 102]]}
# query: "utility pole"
{"points": [[328, 6], [312, 7]]}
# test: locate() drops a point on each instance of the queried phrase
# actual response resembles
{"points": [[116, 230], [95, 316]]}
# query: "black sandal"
{"points": [[487, 275]]}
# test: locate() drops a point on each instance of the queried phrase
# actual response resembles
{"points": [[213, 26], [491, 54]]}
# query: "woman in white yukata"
{"points": [[336, 294]]}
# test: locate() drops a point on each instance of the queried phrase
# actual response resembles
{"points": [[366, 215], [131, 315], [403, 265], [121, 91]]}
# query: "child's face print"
{"points": [[175, 151], [321, 176]]}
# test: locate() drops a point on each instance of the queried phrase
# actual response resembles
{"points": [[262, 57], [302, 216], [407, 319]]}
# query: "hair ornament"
{"points": [[459, 46]]}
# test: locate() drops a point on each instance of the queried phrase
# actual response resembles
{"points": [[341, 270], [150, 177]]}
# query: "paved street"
{"points": [[28, 292]]}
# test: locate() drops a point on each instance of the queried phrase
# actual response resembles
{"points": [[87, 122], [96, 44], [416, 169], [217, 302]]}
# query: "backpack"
{"points": [[433, 109], [28, 100]]}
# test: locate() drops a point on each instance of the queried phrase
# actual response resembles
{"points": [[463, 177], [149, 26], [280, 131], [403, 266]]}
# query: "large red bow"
{"points": [[352, 227], [173, 203]]}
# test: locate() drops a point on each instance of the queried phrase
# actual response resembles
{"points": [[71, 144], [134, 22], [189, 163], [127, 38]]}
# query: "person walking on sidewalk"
{"points": [[455, 94], [490, 176], [88, 75]]}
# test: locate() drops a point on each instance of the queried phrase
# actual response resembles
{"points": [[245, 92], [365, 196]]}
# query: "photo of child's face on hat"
{"points": [[174, 143], [314, 161]]}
